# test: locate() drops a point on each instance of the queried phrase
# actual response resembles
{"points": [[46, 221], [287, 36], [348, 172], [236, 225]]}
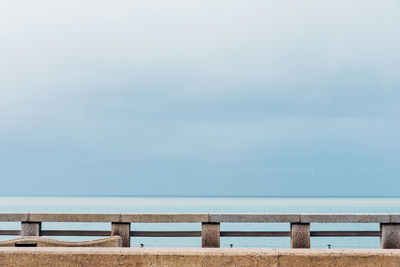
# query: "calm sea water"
{"points": [[209, 205]]}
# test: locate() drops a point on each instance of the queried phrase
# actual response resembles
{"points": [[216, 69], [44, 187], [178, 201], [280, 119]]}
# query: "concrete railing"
{"points": [[210, 233]]}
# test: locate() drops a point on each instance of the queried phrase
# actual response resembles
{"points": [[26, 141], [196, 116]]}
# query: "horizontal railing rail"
{"points": [[192, 218], [31, 225]]}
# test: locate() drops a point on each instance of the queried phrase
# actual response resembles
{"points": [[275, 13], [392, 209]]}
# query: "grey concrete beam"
{"points": [[188, 218], [14, 217], [73, 217], [255, 218], [394, 218], [165, 218], [344, 218]]}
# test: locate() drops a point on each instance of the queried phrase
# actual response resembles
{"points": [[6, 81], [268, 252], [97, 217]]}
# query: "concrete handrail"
{"points": [[207, 217], [121, 225]]}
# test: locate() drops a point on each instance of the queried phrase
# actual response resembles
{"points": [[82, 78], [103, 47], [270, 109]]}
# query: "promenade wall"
{"points": [[194, 257]]}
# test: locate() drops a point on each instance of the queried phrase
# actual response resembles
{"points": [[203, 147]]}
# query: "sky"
{"points": [[178, 97]]}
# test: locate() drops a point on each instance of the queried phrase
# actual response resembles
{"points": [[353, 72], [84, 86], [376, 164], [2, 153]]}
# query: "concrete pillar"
{"points": [[210, 235], [124, 231], [31, 228], [300, 235], [390, 235]]}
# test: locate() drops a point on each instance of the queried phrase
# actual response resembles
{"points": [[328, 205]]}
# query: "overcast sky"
{"points": [[200, 97]]}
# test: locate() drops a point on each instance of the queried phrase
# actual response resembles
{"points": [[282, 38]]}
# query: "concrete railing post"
{"points": [[390, 235], [31, 228], [210, 235], [124, 231], [300, 235]]}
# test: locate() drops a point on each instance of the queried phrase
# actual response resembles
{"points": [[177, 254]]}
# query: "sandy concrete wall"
{"points": [[142, 257]]}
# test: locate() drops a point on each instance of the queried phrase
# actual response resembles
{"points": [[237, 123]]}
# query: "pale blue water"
{"points": [[210, 205]]}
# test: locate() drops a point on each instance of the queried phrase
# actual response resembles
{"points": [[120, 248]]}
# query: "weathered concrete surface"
{"points": [[345, 218], [300, 235], [103, 217], [113, 241], [210, 235], [122, 230], [165, 218], [255, 218], [390, 235], [66, 257], [31, 228], [205, 217]]}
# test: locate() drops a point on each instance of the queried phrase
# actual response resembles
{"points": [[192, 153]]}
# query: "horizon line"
{"points": [[199, 196]]}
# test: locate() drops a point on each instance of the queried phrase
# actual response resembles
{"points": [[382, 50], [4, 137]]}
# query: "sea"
{"points": [[187, 204]]}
